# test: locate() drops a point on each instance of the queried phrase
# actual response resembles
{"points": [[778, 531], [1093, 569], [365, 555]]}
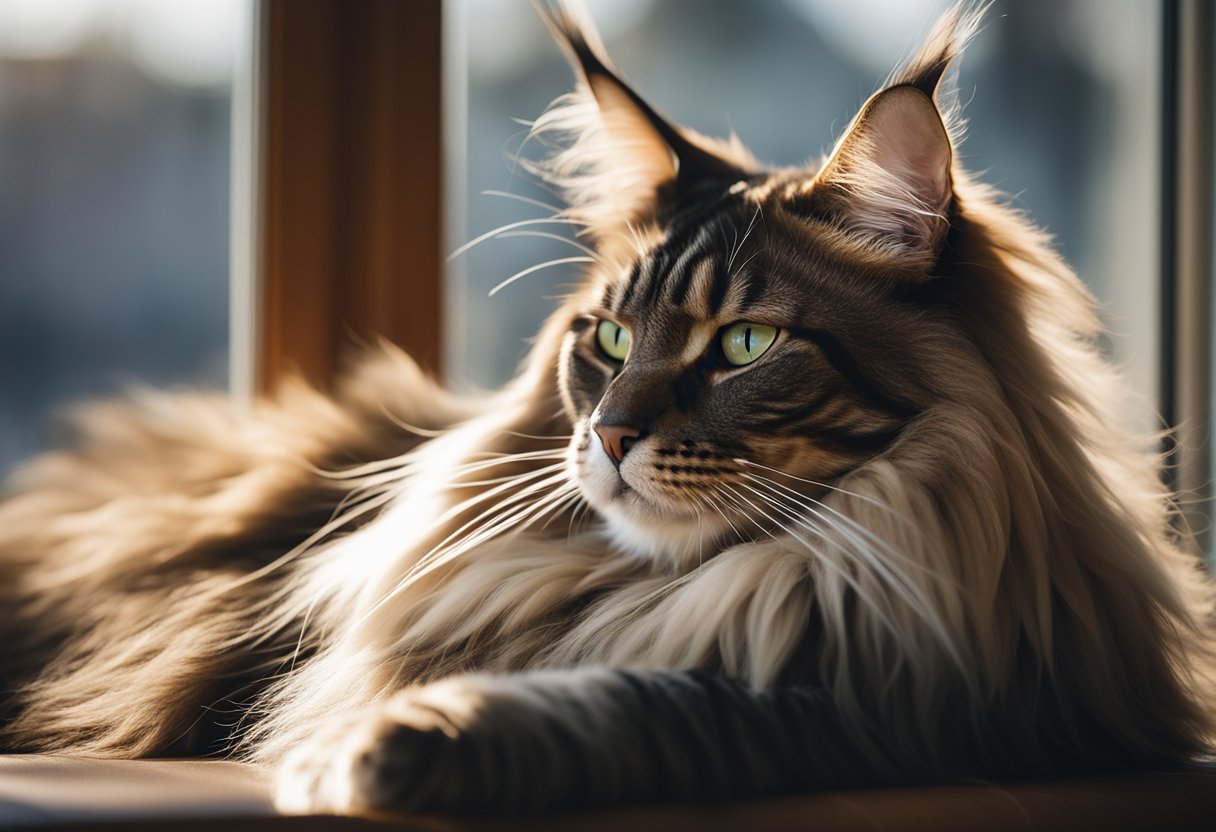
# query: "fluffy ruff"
{"points": [[401, 598]]}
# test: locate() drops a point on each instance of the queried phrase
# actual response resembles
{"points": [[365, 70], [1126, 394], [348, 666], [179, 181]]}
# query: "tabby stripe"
{"points": [[660, 263], [802, 421], [645, 706], [756, 287], [696, 727], [687, 387], [857, 441], [635, 275], [685, 267], [608, 299], [587, 375], [843, 362], [717, 292], [799, 414]]}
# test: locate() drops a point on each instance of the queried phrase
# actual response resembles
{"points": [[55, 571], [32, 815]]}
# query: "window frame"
{"points": [[1187, 224], [337, 198], [339, 203]]}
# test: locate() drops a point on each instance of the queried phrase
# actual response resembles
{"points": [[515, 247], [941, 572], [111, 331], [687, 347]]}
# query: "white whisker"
{"points": [[739, 245], [518, 520], [547, 264], [836, 488], [819, 557], [525, 199], [817, 507], [510, 227], [545, 235]]}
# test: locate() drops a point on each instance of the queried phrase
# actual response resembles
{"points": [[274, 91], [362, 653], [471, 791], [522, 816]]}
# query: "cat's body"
{"points": [[837, 441]]}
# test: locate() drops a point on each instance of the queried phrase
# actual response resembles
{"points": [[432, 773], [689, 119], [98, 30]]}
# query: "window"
{"points": [[1062, 102], [114, 176], [1077, 110]]}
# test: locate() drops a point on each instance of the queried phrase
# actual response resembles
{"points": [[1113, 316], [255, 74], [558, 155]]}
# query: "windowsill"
{"points": [[192, 795]]}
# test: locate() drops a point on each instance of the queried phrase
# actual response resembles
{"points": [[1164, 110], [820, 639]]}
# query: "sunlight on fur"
{"points": [[910, 542]]}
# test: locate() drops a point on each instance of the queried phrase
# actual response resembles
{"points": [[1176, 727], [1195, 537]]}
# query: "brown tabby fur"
{"points": [[956, 563]]}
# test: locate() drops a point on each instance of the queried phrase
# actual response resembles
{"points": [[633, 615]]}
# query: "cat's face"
{"points": [[743, 332], [737, 347]]}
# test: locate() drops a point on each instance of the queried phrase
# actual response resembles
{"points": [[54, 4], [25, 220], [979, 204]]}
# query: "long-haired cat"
{"points": [[817, 479]]}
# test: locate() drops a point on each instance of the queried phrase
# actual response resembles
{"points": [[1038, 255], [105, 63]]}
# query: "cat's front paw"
{"points": [[401, 755]]}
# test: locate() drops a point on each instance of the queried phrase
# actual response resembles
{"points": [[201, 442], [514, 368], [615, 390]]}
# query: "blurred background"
{"points": [[1062, 99], [114, 201], [115, 162]]}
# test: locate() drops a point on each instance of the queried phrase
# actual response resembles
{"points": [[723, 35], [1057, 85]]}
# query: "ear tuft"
{"points": [[615, 158], [889, 177], [941, 48]]}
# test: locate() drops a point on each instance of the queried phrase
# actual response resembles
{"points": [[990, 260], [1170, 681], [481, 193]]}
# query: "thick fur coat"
{"points": [[944, 557]]}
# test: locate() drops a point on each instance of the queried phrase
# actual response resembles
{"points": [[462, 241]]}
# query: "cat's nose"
{"points": [[617, 440]]}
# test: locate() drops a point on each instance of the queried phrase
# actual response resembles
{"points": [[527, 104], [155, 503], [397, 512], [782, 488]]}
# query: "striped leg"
{"points": [[571, 739]]}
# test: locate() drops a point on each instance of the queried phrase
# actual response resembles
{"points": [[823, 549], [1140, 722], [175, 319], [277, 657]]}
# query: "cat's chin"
{"points": [[641, 530], [655, 530], [639, 518]]}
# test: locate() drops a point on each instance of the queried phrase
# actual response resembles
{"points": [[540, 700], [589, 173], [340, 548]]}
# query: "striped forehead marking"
{"points": [[698, 339], [701, 267], [697, 282]]}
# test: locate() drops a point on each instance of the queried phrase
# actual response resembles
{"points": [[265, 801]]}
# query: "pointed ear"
{"points": [[621, 160], [889, 177]]}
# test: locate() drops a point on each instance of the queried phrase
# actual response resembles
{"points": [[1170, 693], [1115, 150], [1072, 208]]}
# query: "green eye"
{"points": [[613, 339], [743, 343]]}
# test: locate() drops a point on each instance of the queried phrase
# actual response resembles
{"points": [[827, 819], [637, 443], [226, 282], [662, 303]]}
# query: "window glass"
{"points": [[114, 182], [1062, 101]]}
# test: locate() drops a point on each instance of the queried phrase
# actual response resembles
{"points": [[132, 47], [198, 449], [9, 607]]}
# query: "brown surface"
{"points": [[1160, 801], [351, 181]]}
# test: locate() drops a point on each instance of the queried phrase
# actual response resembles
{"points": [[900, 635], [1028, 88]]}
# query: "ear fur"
{"points": [[889, 177], [621, 160]]}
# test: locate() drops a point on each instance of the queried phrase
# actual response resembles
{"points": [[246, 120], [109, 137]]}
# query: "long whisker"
{"points": [[545, 235], [429, 433], [710, 500], [739, 245], [313, 539], [555, 505], [554, 438], [581, 511], [893, 577], [410, 462], [517, 520], [521, 198], [825, 562], [899, 582], [511, 226], [538, 482], [817, 507], [739, 501], [828, 486], [547, 472], [409, 577], [560, 261], [573, 500]]}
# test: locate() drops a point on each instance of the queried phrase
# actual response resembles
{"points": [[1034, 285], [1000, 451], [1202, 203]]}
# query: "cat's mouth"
{"points": [[653, 503], [676, 536]]}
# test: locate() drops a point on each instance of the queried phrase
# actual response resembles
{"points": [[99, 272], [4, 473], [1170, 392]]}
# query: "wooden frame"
{"points": [[1187, 218], [349, 185], [340, 239]]}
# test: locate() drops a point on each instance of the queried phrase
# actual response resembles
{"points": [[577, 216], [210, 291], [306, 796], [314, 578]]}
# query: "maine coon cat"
{"points": [[816, 480]]}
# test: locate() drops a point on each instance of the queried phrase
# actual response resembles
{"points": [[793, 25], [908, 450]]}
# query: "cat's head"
{"points": [[743, 329]]}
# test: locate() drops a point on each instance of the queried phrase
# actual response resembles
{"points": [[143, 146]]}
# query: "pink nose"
{"points": [[617, 440]]}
